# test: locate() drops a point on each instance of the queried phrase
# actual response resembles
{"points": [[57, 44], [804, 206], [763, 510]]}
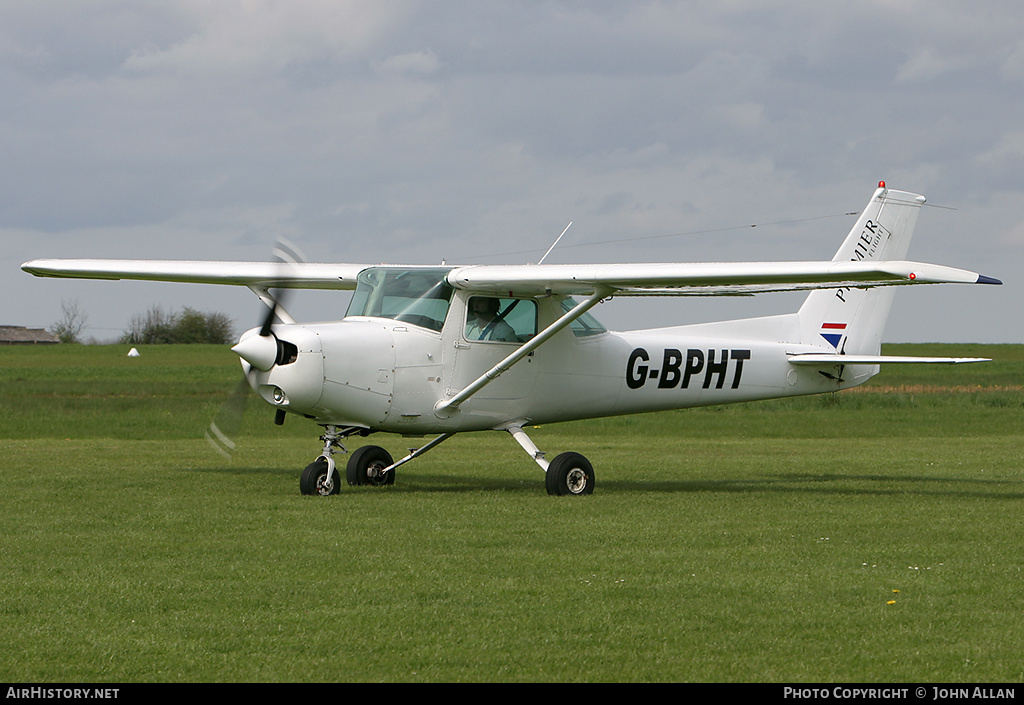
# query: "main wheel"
{"points": [[569, 473], [366, 465], [316, 480]]}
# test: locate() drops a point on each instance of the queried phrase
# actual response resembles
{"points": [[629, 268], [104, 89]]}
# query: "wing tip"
{"points": [[36, 267]]}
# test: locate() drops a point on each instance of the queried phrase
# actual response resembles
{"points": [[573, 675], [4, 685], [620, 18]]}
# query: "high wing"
{"points": [[704, 279], [659, 279], [251, 274]]}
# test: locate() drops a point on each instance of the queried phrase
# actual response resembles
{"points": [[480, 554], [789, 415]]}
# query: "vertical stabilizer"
{"points": [[848, 320]]}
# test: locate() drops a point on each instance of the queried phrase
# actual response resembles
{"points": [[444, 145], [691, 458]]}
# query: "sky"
{"points": [[415, 132]]}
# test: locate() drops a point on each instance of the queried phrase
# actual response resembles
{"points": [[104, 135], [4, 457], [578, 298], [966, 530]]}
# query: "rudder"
{"points": [[850, 320]]}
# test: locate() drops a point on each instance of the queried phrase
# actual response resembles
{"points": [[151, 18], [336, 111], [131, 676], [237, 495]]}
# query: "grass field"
{"points": [[871, 536]]}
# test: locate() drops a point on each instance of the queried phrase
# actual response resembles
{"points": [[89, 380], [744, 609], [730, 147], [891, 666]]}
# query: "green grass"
{"points": [[758, 542]]}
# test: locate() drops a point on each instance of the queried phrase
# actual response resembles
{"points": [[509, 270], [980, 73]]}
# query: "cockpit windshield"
{"points": [[419, 296]]}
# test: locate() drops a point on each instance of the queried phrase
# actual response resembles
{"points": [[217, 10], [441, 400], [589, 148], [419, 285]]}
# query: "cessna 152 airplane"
{"points": [[442, 350]]}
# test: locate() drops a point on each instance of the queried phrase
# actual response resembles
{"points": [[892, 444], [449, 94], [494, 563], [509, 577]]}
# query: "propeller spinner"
{"points": [[263, 351]]}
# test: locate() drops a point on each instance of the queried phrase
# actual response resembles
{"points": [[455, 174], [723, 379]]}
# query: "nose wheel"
{"points": [[320, 478]]}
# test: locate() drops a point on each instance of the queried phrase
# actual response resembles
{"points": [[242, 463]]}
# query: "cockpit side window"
{"points": [[420, 297], [501, 320]]}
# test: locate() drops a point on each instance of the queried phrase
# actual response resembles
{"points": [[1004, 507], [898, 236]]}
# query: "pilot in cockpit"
{"points": [[484, 323]]}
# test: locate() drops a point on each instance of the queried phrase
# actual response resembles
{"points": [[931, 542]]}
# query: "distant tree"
{"points": [[192, 326], [150, 328], [69, 328], [219, 328], [157, 327]]}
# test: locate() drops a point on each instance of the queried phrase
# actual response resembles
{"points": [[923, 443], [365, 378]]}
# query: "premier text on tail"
{"points": [[443, 350]]}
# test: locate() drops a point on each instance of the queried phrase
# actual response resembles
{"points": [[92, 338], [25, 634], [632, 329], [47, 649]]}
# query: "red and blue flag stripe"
{"points": [[833, 333]]}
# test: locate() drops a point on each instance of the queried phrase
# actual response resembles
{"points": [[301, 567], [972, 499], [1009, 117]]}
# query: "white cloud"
{"points": [[929, 64], [743, 116], [244, 36], [1013, 68], [1010, 146], [417, 62]]}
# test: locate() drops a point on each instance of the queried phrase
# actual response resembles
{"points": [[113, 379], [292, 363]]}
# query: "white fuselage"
{"points": [[383, 374]]}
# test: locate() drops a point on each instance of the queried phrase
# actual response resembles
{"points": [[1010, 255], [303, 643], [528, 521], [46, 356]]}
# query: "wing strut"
{"points": [[449, 407]]}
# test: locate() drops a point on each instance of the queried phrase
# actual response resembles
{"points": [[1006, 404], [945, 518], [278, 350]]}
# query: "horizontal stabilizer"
{"points": [[833, 359]]}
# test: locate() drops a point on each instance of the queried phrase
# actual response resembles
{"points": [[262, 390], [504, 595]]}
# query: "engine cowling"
{"points": [[359, 372], [286, 368]]}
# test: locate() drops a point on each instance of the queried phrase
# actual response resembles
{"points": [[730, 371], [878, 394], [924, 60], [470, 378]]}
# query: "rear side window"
{"points": [[584, 326]]}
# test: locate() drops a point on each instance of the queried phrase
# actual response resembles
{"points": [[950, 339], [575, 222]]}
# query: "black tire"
{"points": [[365, 465], [314, 480], [569, 474]]}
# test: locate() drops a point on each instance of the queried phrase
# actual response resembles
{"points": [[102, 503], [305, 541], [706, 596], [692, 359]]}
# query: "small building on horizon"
{"points": [[20, 335]]}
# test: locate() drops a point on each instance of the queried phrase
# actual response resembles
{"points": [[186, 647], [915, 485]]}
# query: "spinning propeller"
{"points": [[261, 351]]}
